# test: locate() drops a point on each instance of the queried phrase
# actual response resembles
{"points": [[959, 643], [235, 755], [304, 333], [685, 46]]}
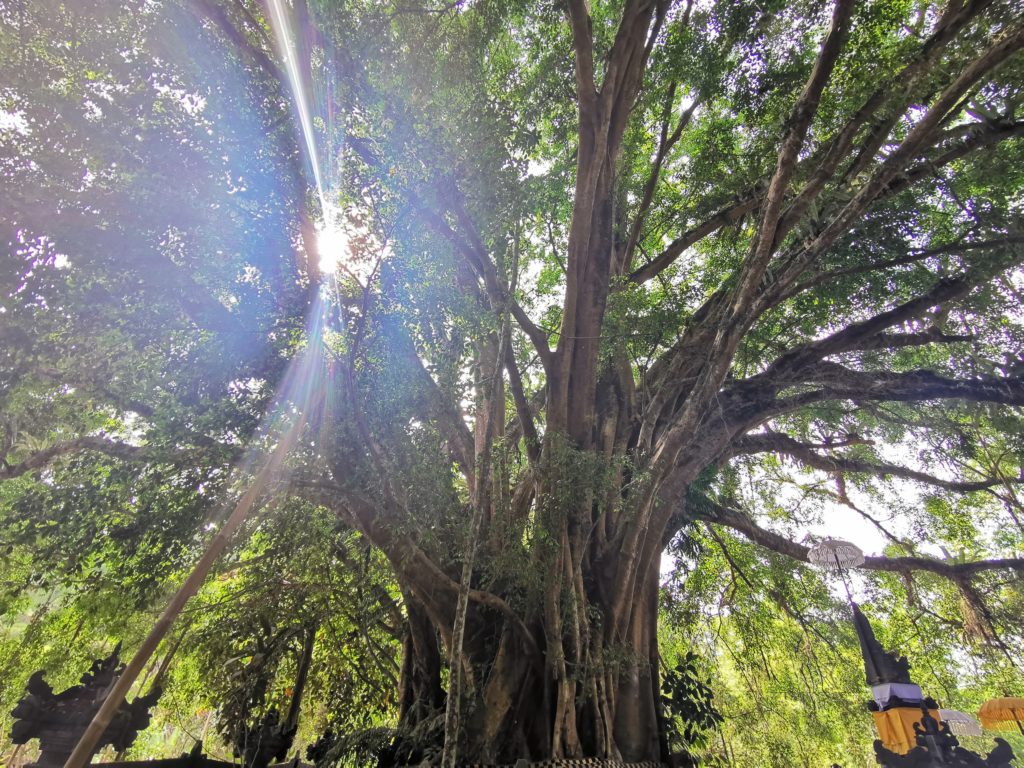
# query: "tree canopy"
{"points": [[538, 292]]}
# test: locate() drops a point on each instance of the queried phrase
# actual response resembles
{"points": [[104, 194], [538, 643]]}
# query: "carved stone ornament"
{"points": [[59, 720]]}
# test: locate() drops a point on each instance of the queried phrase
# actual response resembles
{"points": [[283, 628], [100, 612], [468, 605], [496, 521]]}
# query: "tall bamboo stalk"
{"points": [[90, 738]]}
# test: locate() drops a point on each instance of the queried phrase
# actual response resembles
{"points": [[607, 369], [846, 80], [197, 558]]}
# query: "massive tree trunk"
{"points": [[585, 680], [609, 697]]}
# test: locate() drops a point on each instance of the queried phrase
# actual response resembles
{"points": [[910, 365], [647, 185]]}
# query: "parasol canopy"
{"points": [[1005, 713], [835, 554], [960, 723]]}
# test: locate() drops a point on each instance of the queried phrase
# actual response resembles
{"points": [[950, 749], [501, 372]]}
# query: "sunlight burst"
{"points": [[332, 243]]}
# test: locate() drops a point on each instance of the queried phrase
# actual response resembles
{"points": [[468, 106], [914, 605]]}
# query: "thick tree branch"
{"points": [[778, 443], [895, 92], [799, 123], [753, 399], [886, 178], [713, 512], [916, 386], [751, 402], [627, 59], [911, 258], [736, 313], [723, 218], [868, 334], [583, 44], [954, 20], [979, 137], [736, 308], [113, 448], [431, 584], [887, 181]]}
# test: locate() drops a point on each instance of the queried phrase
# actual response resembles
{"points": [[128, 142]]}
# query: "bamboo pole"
{"points": [[83, 751]]}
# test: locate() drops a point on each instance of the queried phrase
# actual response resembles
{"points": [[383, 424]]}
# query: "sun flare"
{"points": [[332, 243]]}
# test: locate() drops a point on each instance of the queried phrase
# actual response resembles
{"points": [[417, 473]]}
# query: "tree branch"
{"points": [[724, 217], [886, 178], [476, 256], [219, 17], [918, 385], [776, 442], [406, 556], [665, 143], [447, 415], [583, 44], [113, 448], [799, 122], [912, 258], [739, 521], [869, 334], [897, 89], [523, 412], [953, 21], [739, 308]]}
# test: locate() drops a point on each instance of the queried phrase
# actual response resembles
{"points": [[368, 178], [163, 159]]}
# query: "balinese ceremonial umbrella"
{"points": [[960, 723], [835, 554], [1003, 714]]}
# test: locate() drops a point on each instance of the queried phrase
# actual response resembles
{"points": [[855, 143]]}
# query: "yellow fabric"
{"points": [[896, 727], [1002, 714]]}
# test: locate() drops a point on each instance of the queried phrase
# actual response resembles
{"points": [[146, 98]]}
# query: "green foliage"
{"points": [[689, 707]]}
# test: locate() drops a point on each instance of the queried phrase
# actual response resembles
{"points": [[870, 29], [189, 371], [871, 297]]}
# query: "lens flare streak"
{"points": [[283, 33]]}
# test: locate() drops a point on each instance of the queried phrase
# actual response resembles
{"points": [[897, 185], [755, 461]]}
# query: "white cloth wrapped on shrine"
{"points": [[909, 692]]}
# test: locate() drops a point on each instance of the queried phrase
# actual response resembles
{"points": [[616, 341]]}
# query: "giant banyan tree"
{"points": [[564, 281]]}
